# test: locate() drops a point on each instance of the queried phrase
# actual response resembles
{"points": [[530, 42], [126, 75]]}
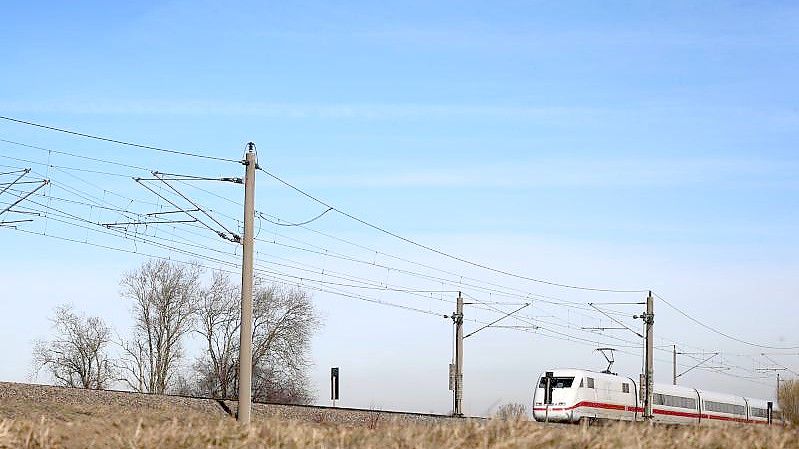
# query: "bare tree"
{"points": [[283, 323], [164, 295], [77, 355], [219, 320]]}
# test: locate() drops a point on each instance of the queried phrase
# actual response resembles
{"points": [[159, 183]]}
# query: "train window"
{"points": [[723, 407], [563, 382], [673, 401], [759, 412], [625, 388], [679, 401], [557, 382], [589, 381]]}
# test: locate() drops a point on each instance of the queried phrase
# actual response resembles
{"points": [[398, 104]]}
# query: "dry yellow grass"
{"points": [[45, 417], [198, 431]]}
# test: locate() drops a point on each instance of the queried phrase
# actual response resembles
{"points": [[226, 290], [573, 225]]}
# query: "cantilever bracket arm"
{"points": [[698, 364], [615, 320], [24, 197], [22, 175], [496, 321]]}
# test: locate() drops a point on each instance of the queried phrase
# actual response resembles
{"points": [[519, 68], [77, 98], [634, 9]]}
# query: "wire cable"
{"points": [[716, 331], [438, 251], [118, 142], [66, 153], [296, 224]]}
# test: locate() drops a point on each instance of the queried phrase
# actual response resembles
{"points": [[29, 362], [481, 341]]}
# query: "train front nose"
{"points": [[554, 399], [560, 410], [552, 413]]}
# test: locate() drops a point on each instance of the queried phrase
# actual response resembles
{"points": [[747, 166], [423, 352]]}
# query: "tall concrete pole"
{"points": [[245, 337], [649, 319], [674, 366], [457, 318]]}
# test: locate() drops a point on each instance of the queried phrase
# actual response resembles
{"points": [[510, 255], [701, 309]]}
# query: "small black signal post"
{"points": [[334, 385]]}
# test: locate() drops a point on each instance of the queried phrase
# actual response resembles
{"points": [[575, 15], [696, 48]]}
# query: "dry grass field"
{"points": [[43, 417], [131, 431]]}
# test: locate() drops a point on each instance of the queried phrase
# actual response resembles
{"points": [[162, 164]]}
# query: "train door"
{"points": [[637, 410]]}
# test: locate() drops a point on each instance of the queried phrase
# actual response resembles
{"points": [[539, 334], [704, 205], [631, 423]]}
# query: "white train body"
{"points": [[580, 394]]}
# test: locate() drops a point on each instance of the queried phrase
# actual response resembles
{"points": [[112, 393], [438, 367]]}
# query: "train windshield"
{"points": [[557, 382]]}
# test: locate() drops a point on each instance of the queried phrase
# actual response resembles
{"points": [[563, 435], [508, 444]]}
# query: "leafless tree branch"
{"points": [[283, 323], [77, 354], [164, 298]]}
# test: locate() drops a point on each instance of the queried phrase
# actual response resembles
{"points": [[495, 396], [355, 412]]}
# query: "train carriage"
{"points": [[673, 404], [579, 394], [718, 408], [574, 395]]}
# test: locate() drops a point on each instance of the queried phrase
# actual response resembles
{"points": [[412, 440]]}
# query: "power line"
{"points": [[723, 334], [382, 287], [370, 287], [118, 142], [328, 253], [378, 228], [333, 254], [66, 153], [125, 212], [780, 365], [330, 291], [295, 224], [47, 164], [581, 340], [535, 324], [557, 334], [136, 236], [440, 252]]}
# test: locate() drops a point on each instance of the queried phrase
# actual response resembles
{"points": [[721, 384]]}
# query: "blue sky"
{"points": [[643, 144]]}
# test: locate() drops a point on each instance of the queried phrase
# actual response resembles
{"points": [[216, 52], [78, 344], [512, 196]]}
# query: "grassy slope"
{"points": [[44, 419]]}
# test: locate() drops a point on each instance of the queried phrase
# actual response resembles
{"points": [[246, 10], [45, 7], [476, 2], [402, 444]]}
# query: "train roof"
{"points": [[676, 390], [577, 372]]}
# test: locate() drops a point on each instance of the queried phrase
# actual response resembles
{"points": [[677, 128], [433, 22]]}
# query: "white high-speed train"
{"points": [[572, 395]]}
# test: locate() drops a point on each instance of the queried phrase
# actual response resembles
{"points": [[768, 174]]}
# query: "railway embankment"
{"points": [[32, 401]]}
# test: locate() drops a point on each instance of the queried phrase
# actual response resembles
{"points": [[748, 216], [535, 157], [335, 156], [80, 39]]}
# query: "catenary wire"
{"points": [[438, 251], [115, 141], [67, 153], [768, 347], [716, 331]]}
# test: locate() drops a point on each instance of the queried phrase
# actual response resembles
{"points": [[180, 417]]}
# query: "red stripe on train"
{"points": [[626, 408]]}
